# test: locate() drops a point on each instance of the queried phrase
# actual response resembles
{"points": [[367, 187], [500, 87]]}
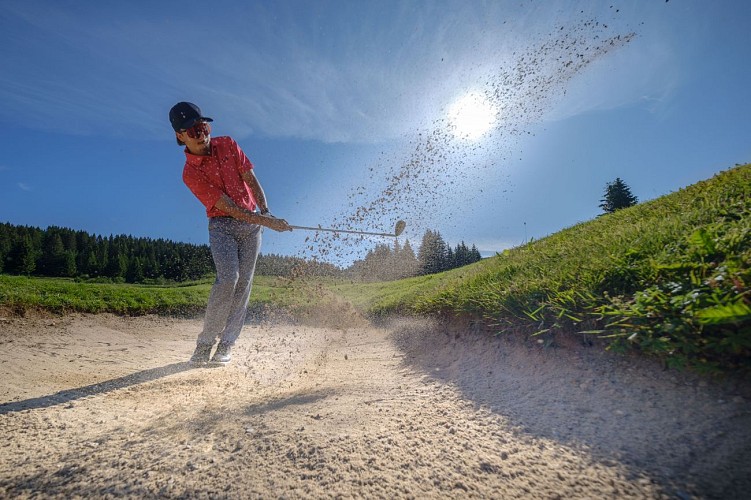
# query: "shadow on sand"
{"points": [[70, 395], [674, 426]]}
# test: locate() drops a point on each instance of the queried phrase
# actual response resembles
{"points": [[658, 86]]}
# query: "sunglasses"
{"points": [[200, 129]]}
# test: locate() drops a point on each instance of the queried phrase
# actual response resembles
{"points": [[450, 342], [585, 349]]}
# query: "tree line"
{"points": [[386, 262], [63, 252]]}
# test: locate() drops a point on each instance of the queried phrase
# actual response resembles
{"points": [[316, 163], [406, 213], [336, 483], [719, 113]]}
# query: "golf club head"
{"points": [[400, 225]]}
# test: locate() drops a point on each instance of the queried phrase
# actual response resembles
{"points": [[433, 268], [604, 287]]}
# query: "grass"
{"points": [[670, 277], [19, 294]]}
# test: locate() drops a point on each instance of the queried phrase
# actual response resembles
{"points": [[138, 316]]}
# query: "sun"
{"points": [[471, 116]]}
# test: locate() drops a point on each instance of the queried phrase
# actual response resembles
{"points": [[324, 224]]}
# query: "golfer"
{"points": [[222, 178]]}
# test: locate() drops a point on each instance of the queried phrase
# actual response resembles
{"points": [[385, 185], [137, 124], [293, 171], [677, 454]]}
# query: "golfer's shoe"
{"points": [[222, 354], [201, 354]]}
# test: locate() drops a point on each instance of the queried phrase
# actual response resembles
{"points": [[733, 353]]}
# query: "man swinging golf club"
{"points": [[222, 178]]}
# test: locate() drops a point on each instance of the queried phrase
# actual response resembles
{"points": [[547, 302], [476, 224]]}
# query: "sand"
{"points": [[105, 406]]}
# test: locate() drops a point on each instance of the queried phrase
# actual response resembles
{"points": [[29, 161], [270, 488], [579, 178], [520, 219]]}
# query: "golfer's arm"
{"points": [[229, 207], [255, 187]]}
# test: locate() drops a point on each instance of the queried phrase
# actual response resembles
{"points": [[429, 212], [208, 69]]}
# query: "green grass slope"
{"points": [[669, 277]]}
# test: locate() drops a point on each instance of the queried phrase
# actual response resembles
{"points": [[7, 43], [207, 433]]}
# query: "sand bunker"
{"points": [[107, 406]]}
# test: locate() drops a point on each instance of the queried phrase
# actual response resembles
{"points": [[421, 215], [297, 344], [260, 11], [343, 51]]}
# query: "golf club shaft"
{"points": [[342, 231]]}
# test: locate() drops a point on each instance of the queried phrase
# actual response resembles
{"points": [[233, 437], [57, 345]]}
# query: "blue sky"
{"points": [[345, 108]]}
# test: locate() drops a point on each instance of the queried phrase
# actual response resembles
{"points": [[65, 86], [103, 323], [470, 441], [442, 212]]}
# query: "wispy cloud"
{"points": [[369, 72], [24, 187]]}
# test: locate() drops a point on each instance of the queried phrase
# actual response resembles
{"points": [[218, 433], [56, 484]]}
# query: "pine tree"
{"points": [[55, 260], [406, 261], [475, 254], [117, 261], [134, 273], [23, 256], [617, 196], [5, 244], [462, 257], [432, 253]]}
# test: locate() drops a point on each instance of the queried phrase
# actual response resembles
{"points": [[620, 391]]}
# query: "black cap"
{"points": [[184, 115]]}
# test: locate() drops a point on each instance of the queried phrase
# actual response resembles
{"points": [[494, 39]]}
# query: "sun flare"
{"points": [[471, 116]]}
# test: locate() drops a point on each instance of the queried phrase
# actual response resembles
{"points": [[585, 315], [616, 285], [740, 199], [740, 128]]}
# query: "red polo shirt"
{"points": [[221, 172]]}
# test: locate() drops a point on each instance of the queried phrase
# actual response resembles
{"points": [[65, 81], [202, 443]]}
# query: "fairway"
{"points": [[102, 405]]}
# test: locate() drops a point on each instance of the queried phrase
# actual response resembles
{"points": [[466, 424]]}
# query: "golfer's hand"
{"points": [[272, 222]]}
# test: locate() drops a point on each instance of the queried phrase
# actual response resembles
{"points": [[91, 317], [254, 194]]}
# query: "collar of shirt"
{"points": [[196, 160]]}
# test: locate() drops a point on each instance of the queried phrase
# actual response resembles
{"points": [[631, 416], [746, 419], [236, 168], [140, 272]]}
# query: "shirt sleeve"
{"points": [[243, 163], [207, 193]]}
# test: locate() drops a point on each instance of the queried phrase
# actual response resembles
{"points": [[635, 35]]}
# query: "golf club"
{"points": [[400, 225]]}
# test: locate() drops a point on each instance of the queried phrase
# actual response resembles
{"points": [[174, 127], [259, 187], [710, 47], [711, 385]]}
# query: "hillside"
{"points": [[669, 277]]}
